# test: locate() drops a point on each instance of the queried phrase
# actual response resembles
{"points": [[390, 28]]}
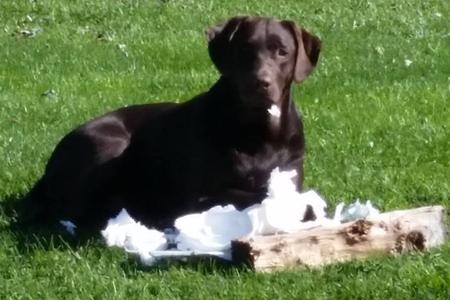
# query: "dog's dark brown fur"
{"points": [[162, 160]]}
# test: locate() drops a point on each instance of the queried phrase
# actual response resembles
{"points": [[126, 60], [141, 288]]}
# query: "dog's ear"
{"points": [[308, 50], [220, 38]]}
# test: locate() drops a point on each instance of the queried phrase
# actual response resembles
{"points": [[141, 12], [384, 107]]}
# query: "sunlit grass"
{"points": [[377, 127]]}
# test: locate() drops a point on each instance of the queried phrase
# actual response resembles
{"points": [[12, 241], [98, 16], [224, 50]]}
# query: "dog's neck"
{"points": [[278, 113], [263, 121]]}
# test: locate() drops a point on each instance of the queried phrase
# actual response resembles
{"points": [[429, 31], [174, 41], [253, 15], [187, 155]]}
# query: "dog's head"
{"points": [[262, 56]]}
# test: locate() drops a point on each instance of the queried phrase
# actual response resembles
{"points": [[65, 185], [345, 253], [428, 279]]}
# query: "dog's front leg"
{"points": [[298, 180]]}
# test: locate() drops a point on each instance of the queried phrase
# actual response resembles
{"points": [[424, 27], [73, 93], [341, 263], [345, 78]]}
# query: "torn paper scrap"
{"points": [[356, 211], [69, 226], [212, 230], [123, 231]]}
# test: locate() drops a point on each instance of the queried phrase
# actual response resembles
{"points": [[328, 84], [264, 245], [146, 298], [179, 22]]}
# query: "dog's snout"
{"points": [[263, 82]]}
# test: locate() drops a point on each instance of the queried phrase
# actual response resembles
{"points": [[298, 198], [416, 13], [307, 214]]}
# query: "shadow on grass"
{"points": [[204, 265], [30, 237]]}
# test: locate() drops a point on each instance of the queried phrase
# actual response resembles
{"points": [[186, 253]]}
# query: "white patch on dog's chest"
{"points": [[274, 115], [274, 111]]}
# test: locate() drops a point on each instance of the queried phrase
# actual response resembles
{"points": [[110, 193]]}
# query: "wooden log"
{"points": [[388, 233]]}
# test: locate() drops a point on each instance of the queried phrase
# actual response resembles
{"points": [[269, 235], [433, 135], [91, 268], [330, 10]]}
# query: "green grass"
{"points": [[376, 129]]}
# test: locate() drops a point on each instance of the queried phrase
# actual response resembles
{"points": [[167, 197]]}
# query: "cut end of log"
{"points": [[242, 253]]}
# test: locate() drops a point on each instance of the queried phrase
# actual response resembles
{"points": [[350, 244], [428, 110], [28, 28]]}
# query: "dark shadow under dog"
{"points": [[30, 237]]}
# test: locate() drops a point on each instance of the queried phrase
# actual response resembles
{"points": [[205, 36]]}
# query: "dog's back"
{"points": [[83, 158]]}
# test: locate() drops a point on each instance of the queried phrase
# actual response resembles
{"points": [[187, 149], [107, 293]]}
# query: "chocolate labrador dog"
{"points": [[160, 161]]}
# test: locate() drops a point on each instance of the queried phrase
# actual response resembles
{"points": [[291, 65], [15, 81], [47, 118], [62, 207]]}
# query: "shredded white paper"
{"points": [[124, 232], [358, 210], [69, 226], [211, 232], [284, 207]]}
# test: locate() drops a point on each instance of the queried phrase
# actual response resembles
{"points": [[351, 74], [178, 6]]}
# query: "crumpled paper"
{"points": [[356, 211], [284, 207], [124, 232], [211, 232]]}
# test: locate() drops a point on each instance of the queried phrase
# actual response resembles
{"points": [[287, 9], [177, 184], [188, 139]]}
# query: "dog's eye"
{"points": [[282, 52]]}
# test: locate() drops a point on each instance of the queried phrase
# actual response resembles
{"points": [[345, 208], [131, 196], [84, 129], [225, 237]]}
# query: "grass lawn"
{"points": [[377, 125]]}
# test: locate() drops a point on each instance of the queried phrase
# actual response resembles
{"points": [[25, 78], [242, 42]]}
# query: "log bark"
{"points": [[388, 233]]}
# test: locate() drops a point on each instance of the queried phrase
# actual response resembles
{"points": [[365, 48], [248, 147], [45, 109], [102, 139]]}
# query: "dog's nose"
{"points": [[263, 82]]}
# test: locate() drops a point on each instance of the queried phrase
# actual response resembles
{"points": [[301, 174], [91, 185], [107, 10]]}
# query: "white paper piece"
{"points": [[211, 232], [284, 207], [357, 210], [124, 232], [69, 226]]}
